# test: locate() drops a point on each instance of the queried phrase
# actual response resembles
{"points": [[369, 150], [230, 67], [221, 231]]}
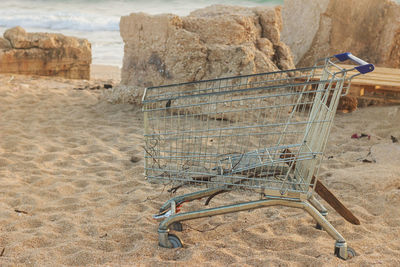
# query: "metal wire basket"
{"points": [[263, 132]]}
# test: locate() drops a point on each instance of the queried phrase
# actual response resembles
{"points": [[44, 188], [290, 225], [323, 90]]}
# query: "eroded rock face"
{"points": [[216, 41], [369, 29], [44, 54]]}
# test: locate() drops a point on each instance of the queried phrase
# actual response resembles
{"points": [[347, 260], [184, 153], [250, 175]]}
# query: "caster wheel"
{"points": [[175, 241], [351, 253], [318, 226], [176, 226]]}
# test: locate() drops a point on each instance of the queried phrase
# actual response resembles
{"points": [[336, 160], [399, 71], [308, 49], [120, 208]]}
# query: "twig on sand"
{"points": [[198, 179], [174, 189], [206, 230], [365, 159], [20, 211], [2, 252], [152, 157]]}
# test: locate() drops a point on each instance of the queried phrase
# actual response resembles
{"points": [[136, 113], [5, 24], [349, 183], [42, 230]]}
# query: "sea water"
{"points": [[97, 20]]}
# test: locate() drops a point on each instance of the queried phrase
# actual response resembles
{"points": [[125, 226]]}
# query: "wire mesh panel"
{"points": [[263, 131]]}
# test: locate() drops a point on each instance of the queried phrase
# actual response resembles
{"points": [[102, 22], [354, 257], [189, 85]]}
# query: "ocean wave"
{"points": [[59, 21]]}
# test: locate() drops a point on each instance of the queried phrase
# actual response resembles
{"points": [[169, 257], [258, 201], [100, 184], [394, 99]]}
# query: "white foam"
{"points": [[58, 21]]}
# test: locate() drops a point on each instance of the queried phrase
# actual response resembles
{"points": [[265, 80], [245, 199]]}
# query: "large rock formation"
{"points": [[369, 29], [44, 54], [212, 42]]}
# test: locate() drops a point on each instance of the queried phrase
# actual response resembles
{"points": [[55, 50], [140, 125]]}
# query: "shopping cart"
{"points": [[264, 132]]}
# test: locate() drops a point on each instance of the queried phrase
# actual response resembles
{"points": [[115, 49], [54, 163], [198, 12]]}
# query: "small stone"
{"points": [[135, 159], [5, 44]]}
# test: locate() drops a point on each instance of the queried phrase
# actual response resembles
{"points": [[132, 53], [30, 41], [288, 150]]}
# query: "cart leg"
{"points": [[320, 208], [323, 222], [341, 249]]}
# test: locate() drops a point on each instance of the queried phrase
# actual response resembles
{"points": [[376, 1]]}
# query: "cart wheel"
{"points": [[318, 226], [175, 241], [176, 226], [351, 253]]}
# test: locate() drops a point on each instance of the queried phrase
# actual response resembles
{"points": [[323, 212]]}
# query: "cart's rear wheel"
{"points": [[351, 253], [175, 241]]}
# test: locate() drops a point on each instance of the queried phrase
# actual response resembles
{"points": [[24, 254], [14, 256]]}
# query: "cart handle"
{"points": [[364, 67]]}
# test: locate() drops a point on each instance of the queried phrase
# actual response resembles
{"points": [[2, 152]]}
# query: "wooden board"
{"points": [[382, 86], [380, 79]]}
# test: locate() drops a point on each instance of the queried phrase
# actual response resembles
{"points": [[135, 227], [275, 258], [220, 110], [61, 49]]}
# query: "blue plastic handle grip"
{"points": [[364, 67]]}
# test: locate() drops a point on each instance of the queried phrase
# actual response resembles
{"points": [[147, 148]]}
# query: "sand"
{"points": [[73, 192]]}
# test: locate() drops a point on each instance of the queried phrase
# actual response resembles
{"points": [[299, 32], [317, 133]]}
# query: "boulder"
{"points": [[45, 54], [216, 41], [370, 29]]}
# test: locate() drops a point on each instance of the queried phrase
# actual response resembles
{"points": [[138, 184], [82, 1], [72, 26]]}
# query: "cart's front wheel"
{"points": [[175, 241]]}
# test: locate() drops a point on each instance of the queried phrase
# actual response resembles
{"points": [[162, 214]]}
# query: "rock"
{"points": [[17, 37], [45, 54], [213, 42], [370, 29]]}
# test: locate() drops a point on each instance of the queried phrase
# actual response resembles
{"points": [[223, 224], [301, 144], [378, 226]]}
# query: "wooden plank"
{"points": [[381, 78], [382, 85]]}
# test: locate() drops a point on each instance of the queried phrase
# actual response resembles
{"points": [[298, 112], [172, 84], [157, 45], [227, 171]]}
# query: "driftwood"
{"points": [[334, 202]]}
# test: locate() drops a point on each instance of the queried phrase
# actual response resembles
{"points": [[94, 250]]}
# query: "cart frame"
{"points": [[284, 173]]}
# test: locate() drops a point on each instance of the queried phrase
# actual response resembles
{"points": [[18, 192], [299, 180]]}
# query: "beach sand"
{"points": [[73, 191]]}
